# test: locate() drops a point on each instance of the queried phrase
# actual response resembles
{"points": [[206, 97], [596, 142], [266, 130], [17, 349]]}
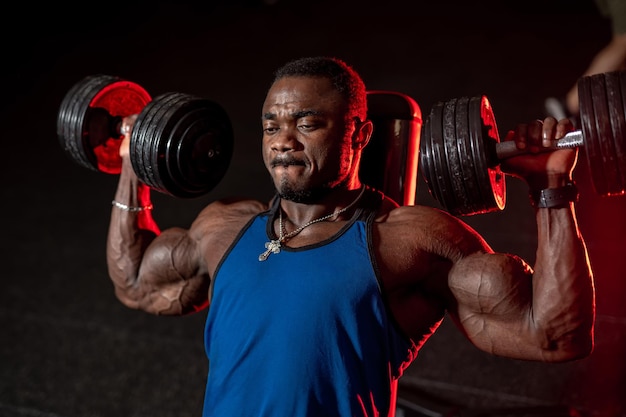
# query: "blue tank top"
{"points": [[304, 333]]}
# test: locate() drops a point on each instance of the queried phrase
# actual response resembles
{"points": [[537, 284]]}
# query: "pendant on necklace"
{"points": [[273, 246]]}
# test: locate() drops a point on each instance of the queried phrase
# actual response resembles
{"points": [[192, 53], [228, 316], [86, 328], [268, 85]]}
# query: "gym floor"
{"points": [[70, 349]]}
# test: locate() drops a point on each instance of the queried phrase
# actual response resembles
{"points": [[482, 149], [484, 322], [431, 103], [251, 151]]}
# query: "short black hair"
{"points": [[342, 76]]}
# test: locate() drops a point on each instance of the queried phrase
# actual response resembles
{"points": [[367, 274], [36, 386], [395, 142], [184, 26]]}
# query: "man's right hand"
{"points": [[127, 126]]}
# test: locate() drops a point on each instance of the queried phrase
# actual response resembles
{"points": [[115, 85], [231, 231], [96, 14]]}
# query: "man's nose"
{"points": [[285, 140]]}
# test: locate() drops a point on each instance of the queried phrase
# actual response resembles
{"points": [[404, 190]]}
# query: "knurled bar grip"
{"points": [[508, 149]]}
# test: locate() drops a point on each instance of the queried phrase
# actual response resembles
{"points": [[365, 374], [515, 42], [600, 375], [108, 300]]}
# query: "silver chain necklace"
{"points": [[273, 246]]}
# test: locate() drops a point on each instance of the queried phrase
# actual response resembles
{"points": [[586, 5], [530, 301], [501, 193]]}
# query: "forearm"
{"points": [[130, 231], [563, 305]]}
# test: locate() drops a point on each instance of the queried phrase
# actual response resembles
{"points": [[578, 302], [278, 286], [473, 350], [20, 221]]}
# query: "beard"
{"points": [[287, 191], [301, 192]]}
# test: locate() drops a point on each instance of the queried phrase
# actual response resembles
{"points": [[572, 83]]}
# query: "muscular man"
{"points": [[319, 299]]}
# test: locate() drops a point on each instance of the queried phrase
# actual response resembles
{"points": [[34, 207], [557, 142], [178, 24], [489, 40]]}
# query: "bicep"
{"points": [[493, 295], [172, 278]]}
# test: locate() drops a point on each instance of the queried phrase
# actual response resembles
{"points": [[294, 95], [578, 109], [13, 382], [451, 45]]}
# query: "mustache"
{"points": [[286, 160]]}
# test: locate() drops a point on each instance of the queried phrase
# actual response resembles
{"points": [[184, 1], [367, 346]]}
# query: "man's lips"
{"points": [[286, 161]]}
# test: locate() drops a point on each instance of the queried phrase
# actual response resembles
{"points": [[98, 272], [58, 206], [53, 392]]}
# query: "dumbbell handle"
{"points": [[508, 149]]}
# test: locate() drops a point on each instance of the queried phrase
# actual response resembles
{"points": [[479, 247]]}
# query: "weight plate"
{"points": [[426, 158], [89, 117], [439, 162], [473, 193], [617, 121], [591, 135], [483, 139], [182, 145], [604, 128], [201, 147], [458, 198], [147, 145]]}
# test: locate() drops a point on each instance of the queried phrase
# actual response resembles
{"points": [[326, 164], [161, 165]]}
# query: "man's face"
{"points": [[307, 141]]}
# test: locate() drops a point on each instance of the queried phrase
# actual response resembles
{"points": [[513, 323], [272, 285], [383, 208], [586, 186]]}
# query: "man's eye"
{"points": [[270, 130]]}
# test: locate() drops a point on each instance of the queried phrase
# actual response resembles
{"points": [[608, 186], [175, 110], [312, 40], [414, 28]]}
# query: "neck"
{"points": [[274, 245], [341, 201]]}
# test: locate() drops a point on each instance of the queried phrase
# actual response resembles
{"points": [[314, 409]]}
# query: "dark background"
{"points": [[70, 349]]}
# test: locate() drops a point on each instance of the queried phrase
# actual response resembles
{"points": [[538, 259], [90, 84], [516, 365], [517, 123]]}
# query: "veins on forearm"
{"points": [[126, 247]]}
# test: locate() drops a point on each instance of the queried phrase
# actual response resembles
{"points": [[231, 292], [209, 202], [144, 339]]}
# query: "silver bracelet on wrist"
{"points": [[125, 207]]}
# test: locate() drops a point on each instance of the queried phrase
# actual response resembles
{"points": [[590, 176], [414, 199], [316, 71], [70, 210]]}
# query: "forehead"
{"points": [[297, 93]]}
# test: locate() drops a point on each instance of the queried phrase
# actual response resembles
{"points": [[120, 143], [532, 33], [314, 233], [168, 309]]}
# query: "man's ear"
{"points": [[362, 134]]}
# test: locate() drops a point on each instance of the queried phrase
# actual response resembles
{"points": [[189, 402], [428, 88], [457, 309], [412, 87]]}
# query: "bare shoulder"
{"points": [[234, 207], [427, 231], [226, 215], [218, 224], [415, 249]]}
